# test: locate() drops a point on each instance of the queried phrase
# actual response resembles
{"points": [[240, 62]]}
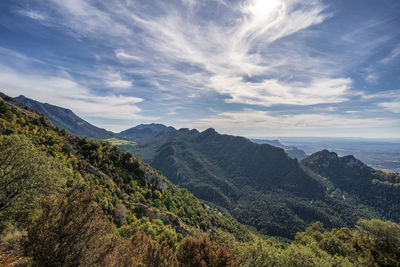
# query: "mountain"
{"points": [[123, 182], [66, 119], [258, 184], [372, 187], [90, 203], [68, 174], [292, 151], [145, 132]]}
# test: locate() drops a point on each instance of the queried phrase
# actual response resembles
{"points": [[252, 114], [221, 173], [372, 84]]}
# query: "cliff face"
{"points": [[154, 179]]}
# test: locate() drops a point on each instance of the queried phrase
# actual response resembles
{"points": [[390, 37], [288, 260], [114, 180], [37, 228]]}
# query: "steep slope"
{"points": [[150, 214], [66, 119], [257, 183], [130, 191], [292, 151], [378, 189]]}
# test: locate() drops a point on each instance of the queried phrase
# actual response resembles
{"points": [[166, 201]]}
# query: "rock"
{"points": [[152, 178]]}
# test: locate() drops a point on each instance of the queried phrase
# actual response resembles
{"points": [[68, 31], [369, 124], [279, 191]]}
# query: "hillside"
{"points": [[131, 193], [258, 184], [372, 187], [66, 119], [70, 201]]}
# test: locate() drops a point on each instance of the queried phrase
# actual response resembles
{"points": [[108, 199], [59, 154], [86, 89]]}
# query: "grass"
{"points": [[120, 142]]}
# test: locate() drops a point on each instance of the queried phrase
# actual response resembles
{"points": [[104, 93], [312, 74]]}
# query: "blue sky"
{"points": [[251, 67]]}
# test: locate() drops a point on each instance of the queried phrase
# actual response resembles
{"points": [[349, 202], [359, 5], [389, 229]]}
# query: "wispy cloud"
{"points": [[36, 15], [389, 100], [393, 55], [122, 55], [116, 81], [230, 57], [64, 91], [251, 122], [303, 58], [392, 106]]}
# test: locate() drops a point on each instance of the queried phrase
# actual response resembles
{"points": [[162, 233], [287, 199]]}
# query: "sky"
{"points": [[254, 68]]}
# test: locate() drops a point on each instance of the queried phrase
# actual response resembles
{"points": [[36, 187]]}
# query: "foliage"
{"points": [[69, 231], [144, 251], [377, 190], [259, 185], [204, 252], [373, 243], [119, 180], [98, 220], [26, 174]]}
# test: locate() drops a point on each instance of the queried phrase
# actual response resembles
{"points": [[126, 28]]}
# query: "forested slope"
{"points": [[70, 201], [258, 184]]}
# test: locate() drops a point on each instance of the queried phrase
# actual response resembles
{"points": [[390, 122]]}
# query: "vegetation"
{"points": [[376, 189], [372, 243], [119, 142], [260, 186], [194, 252], [132, 196], [26, 174], [88, 203], [69, 231]]}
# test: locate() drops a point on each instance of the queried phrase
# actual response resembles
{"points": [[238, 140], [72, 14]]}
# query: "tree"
{"points": [[145, 251], [26, 174], [204, 252], [380, 239], [70, 231]]}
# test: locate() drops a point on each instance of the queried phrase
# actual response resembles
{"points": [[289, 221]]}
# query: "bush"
{"points": [[70, 231], [195, 252]]}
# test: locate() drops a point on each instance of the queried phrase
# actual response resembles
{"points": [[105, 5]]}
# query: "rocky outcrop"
{"points": [[154, 179]]}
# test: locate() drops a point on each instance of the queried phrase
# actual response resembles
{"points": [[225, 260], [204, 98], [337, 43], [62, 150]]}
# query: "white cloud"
{"points": [[372, 78], [392, 106], [232, 56], [119, 84], [393, 55], [270, 92], [250, 122], [115, 80], [87, 20], [36, 15], [65, 92], [382, 94], [122, 55], [389, 99]]}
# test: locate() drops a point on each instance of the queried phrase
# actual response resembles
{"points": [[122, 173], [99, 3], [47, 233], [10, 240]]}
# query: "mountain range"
{"points": [[256, 181]]}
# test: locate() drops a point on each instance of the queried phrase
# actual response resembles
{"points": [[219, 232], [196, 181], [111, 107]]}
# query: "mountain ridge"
{"points": [[250, 180], [258, 184], [66, 119]]}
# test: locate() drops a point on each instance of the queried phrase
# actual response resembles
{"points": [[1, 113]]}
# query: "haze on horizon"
{"points": [[251, 67]]}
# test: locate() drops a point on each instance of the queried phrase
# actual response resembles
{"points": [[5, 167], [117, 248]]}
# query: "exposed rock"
{"points": [[153, 178]]}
